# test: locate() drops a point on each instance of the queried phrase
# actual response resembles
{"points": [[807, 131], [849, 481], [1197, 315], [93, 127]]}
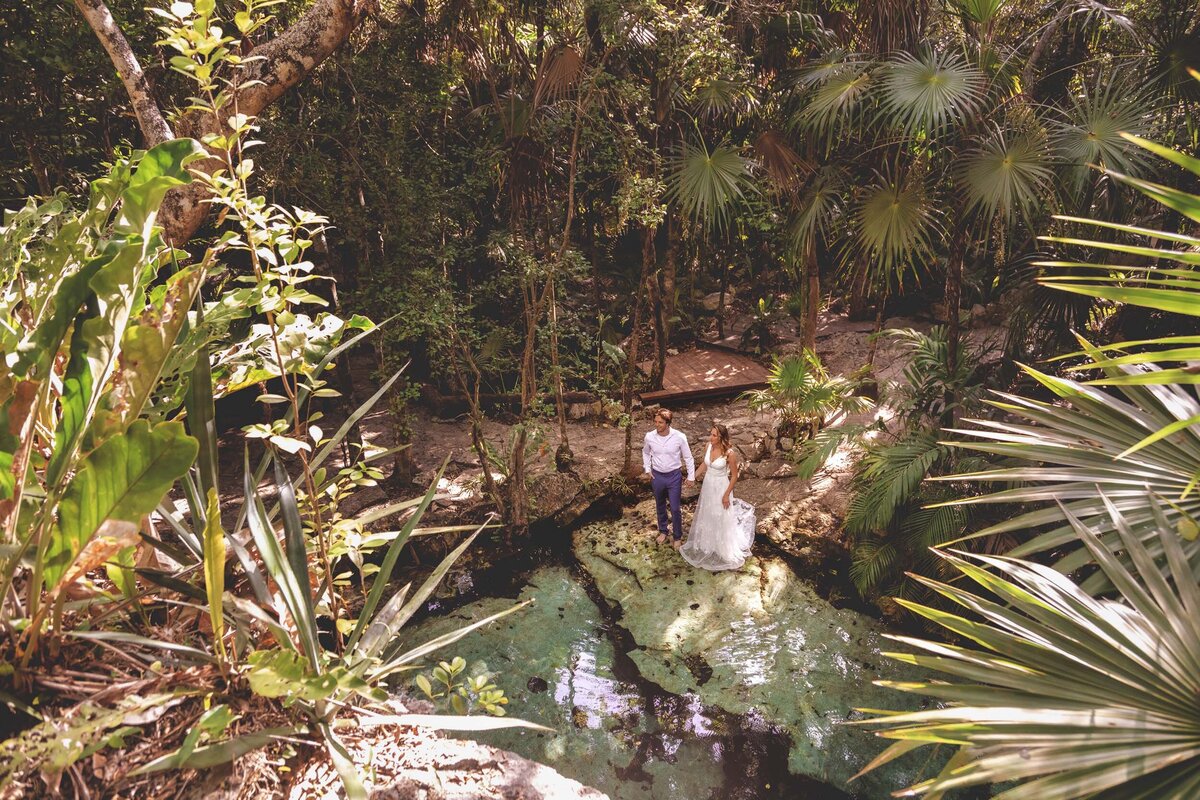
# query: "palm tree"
{"points": [[952, 155]]}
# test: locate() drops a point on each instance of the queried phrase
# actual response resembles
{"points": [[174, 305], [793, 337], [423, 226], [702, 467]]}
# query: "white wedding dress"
{"points": [[720, 538]]}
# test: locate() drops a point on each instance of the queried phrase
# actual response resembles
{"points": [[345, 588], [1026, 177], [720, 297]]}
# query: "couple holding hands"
{"points": [[722, 530]]}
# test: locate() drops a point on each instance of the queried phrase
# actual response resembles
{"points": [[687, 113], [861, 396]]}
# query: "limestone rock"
{"points": [[770, 644], [713, 301], [420, 764]]}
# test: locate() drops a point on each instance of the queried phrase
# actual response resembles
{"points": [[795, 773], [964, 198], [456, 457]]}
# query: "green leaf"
{"points": [[296, 597], [931, 90], [214, 569], [706, 183], [161, 169], [389, 562], [123, 479]]}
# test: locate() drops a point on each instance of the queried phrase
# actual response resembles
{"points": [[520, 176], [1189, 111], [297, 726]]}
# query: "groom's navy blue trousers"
{"points": [[667, 486]]}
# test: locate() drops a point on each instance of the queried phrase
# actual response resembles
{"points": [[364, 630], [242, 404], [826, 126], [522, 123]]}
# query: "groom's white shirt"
{"points": [[668, 453]]}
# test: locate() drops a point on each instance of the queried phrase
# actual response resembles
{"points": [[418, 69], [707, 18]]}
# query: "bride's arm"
{"points": [[703, 468], [735, 469]]}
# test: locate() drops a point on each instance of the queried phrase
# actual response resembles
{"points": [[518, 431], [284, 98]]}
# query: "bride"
{"points": [[723, 528]]}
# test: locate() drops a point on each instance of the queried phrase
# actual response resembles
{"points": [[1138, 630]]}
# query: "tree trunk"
{"points": [[659, 368], [812, 298], [631, 362], [953, 293], [40, 173], [721, 298], [859, 292], [278, 65]]}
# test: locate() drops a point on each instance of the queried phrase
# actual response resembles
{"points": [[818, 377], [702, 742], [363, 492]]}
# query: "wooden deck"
{"points": [[706, 372]]}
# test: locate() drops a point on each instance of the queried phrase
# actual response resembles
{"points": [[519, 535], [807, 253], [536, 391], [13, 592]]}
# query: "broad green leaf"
{"points": [[123, 479], [161, 169]]}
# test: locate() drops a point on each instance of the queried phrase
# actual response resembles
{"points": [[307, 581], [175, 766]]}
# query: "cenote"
{"points": [[663, 682]]}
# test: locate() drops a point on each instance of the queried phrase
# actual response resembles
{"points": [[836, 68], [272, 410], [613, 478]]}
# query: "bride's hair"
{"points": [[723, 432]]}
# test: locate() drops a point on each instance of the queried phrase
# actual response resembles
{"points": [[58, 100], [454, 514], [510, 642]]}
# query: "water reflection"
{"points": [[564, 666]]}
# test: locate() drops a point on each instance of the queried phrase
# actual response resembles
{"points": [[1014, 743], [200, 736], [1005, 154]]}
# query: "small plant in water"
{"points": [[463, 695]]}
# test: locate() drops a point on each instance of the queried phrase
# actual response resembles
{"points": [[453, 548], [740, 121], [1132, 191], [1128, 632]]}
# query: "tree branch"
{"points": [[279, 65], [149, 116], [289, 57]]}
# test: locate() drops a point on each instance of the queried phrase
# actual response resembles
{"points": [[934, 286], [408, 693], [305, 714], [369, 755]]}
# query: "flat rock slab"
{"points": [[755, 641]]}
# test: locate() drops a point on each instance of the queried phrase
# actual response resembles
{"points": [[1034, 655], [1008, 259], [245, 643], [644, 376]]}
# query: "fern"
{"points": [[888, 478], [873, 562]]}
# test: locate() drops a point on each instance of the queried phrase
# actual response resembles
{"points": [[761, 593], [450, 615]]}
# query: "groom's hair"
{"points": [[665, 413]]}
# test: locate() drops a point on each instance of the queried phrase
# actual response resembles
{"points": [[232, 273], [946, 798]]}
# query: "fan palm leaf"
{"points": [[707, 183], [931, 90], [1090, 131], [1078, 450], [897, 221], [822, 205], [1006, 175], [980, 11], [1068, 695], [838, 99]]}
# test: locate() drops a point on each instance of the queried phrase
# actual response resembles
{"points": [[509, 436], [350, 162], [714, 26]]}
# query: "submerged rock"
{"points": [[613, 731], [755, 641]]}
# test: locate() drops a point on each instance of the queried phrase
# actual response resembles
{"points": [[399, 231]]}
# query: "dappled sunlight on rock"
{"points": [[758, 640]]}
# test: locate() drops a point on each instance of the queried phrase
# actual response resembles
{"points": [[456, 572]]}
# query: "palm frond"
{"points": [[721, 96], [1089, 132], [813, 453], [980, 11], [873, 562], [707, 183], [839, 94], [1068, 696], [1175, 290], [931, 90], [897, 221], [1007, 175], [1074, 450], [822, 205], [888, 477]]}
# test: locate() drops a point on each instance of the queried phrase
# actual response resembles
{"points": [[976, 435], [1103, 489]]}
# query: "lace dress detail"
{"points": [[720, 538]]}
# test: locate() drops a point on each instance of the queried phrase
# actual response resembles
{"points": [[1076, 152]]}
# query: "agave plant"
{"points": [[1068, 695]]}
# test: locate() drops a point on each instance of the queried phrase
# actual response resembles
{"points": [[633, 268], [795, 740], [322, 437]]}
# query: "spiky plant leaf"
{"points": [[1074, 450], [822, 205], [1067, 695]]}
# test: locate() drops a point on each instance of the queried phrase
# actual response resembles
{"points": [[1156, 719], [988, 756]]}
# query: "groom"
{"points": [[663, 453]]}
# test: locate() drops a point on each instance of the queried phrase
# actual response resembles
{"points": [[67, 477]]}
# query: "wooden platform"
{"points": [[706, 372]]}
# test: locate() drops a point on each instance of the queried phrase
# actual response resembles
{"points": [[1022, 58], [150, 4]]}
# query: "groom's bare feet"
{"points": [[661, 538]]}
